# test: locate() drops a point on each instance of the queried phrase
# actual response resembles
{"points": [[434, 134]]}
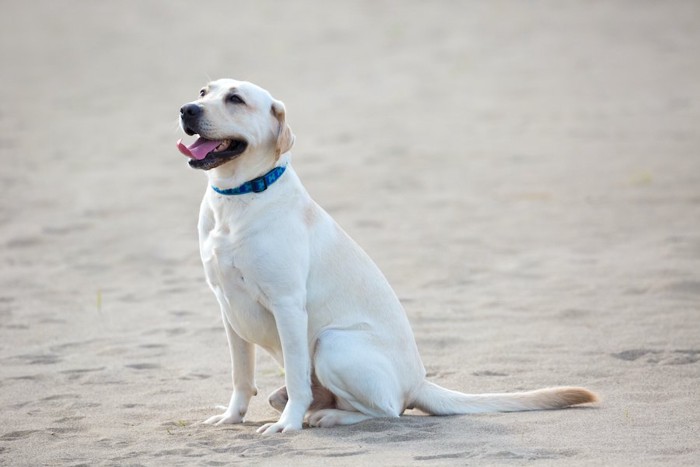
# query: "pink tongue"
{"points": [[199, 149]]}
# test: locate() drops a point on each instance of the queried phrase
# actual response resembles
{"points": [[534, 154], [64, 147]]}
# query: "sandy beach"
{"points": [[526, 175]]}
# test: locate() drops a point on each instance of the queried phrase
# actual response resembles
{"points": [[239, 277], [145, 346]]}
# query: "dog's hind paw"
{"points": [[327, 418], [279, 427]]}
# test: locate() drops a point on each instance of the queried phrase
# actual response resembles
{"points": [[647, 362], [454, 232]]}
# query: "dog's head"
{"points": [[234, 119]]}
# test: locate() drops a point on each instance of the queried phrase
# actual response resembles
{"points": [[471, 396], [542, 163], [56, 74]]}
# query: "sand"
{"points": [[526, 174]]}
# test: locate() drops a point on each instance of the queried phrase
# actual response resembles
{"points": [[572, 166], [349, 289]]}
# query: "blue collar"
{"points": [[255, 185]]}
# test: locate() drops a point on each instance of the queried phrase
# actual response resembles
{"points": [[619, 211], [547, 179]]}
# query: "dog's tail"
{"points": [[436, 400]]}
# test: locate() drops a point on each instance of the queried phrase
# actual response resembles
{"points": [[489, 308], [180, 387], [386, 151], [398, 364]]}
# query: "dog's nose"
{"points": [[190, 110]]}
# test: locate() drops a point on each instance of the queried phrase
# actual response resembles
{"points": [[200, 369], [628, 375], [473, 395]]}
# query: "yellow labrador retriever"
{"points": [[291, 281]]}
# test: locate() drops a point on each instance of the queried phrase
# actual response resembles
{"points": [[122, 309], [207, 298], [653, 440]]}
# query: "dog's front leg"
{"points": [[292, 328], [243, 372]]}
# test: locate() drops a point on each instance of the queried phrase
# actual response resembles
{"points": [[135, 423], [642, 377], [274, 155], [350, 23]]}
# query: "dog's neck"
{"points": [[239, 171]]}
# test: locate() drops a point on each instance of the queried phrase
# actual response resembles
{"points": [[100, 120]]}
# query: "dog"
{"points": [[289, 280]]}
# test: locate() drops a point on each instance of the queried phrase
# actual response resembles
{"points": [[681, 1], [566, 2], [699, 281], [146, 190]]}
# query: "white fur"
{"points": [[290, 280]]}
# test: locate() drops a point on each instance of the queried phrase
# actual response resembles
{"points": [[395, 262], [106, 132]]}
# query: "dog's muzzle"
{"points": [[206, 152]]}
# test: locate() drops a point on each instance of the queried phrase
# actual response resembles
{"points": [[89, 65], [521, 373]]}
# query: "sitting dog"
{"points": [[290, 280]]}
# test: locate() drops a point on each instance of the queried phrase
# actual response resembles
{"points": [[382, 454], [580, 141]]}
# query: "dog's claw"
{"points": [[317, 419]]}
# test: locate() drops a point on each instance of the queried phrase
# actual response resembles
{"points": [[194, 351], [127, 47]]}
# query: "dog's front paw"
{"points": [[237, 408], [279, 427], [225, 418]]}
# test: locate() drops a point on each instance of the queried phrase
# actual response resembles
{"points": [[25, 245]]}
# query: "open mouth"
{"points": [[206, 154]]}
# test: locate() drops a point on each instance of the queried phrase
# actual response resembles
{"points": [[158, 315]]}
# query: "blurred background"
{"points": [[429, 114], [526, 174]]}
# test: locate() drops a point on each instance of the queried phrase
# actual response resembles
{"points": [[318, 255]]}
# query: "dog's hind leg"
{"points": [[322, 397], [278, 399], [361, 378]]}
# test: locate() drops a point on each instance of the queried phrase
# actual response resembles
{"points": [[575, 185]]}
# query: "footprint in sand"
{"points": [[143, 366], [15, 435], [662, 357]]}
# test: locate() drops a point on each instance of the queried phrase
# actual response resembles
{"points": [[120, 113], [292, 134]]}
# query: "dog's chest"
{"points": [[238, 296]]}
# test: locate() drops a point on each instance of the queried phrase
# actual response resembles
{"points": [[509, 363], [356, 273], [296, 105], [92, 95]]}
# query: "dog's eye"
{"points": [[202, 92], [235, 99]]}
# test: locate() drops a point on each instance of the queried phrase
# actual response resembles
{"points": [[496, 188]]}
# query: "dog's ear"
{"points": [[285, 137]]}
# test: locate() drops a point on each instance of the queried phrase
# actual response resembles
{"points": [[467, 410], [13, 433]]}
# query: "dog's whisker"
{"points": [[177, 125]]}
